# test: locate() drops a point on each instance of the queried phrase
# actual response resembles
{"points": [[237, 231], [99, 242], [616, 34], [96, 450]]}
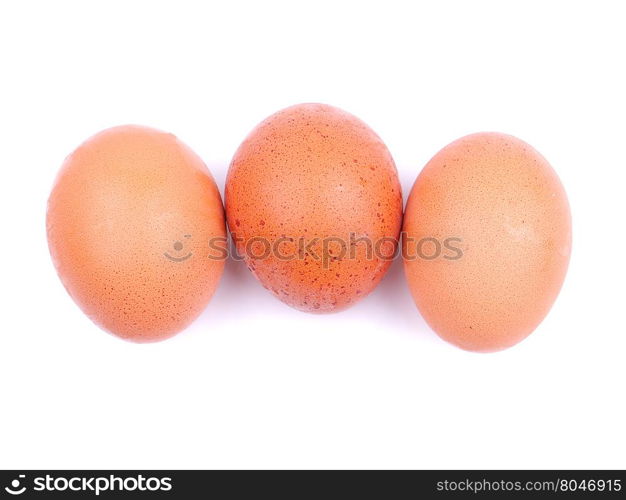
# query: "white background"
{"points": [[254, 383]]}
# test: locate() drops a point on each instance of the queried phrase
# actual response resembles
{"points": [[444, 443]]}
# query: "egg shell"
{"points": [[510, 216], [314, 171], [129, 220]]}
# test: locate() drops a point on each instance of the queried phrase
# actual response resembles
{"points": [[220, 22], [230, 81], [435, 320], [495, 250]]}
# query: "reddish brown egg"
{"points": [[129, 222], [314, 206], [486, 243]]}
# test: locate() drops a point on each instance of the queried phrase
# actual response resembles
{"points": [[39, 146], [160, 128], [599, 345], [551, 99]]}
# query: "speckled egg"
{"points": [[486, 243], [314, 206], [129, 222]]}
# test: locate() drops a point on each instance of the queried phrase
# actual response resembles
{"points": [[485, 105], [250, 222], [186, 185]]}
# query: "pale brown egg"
{"points": [[486, 241], [129, 223], [314, 206]]}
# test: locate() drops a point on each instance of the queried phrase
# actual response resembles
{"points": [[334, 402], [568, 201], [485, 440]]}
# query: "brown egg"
{"points": [[129, 222], [486, 243], [314, 206]]}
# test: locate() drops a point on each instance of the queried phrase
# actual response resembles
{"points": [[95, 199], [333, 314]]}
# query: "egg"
{"points": [[129, 222], [486, 241], [314, 205]]}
